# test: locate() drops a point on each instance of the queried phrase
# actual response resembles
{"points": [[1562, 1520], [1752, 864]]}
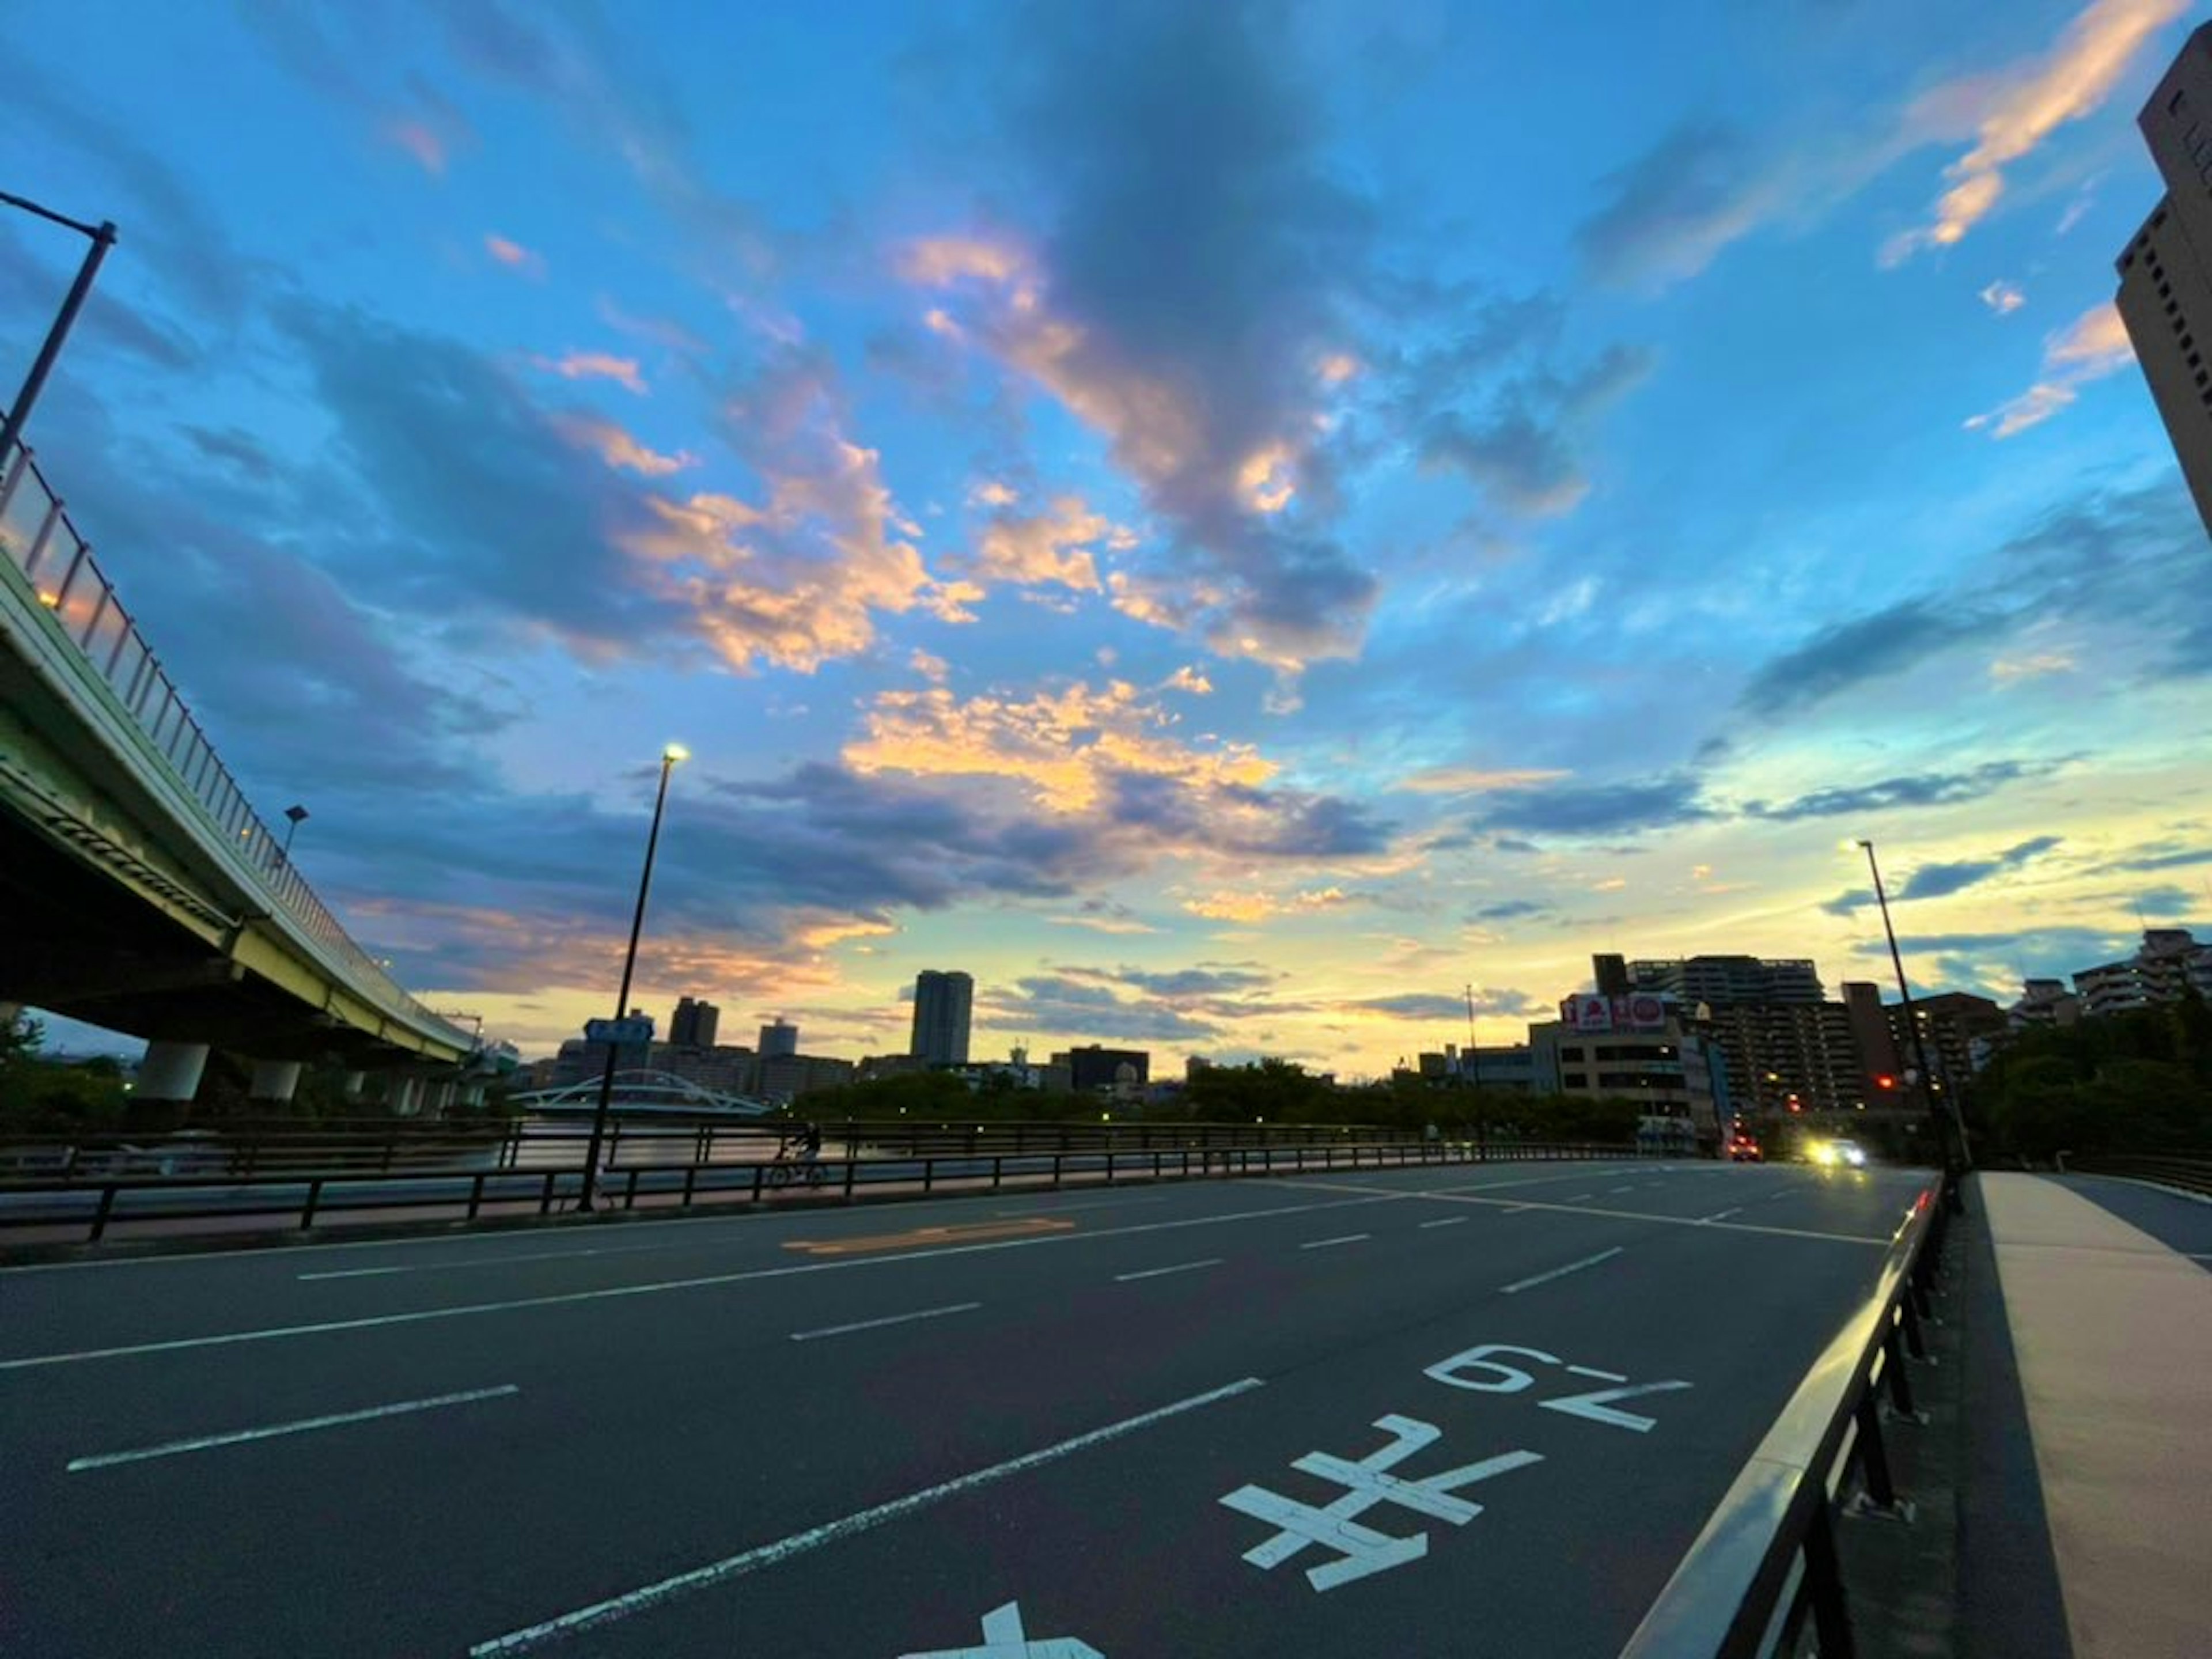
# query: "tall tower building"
{"points": [[779, 1041], [2166, 269], [942, 1003], [694, 1024]]}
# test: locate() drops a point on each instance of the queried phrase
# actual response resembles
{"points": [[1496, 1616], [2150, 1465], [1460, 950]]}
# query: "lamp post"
{"points": [[669, 757], [1957, 1149], [103, 238], [298, 815]]}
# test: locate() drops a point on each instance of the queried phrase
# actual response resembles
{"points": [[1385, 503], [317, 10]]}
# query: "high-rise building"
{"points": [[942, 1004], [779, 1040], [2167, 965], [1949, 1023], [2044, 1002], [1728, 982], [2165, 270], [695, 1023]]}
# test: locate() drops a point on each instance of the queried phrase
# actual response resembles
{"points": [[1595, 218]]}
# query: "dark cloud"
{"points": [[241, 449], [1855, 652], [1845, 903], [1526, 450], [32, 290], [1904, 790], [1675, 206], [2030, 952], [2117, 557], [2161, 859], [1197, 981], [1433, 1005], [1942, 880], [1508, 910], [1275, 823], [1600, 809], [1085, 1012]]}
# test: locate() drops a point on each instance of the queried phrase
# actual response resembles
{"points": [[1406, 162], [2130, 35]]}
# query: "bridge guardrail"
{"points": [[304, 1197], [2190, 1171], [1765, 1561], [37, 537]]}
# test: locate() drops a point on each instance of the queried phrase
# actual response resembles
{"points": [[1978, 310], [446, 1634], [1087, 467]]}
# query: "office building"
{"points": [[2165, 270], [779, 1040], [694, 1024], [1725, 981], [1114, 1071], [942, 1004]]}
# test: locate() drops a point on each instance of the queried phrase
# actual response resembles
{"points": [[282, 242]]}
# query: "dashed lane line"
{"points": [[238, 1436], [1535, 1279]]}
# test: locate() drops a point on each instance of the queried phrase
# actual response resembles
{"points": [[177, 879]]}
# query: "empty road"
{"points": [[1468, 1410]]}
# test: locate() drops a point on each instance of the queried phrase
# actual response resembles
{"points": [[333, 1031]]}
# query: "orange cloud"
{"points": [[596, 366], [1043, 548], [1248, 907], [2023, 104], [419, 141], [513, 255], [2092, 346], [1458, 780], [618, 449]]}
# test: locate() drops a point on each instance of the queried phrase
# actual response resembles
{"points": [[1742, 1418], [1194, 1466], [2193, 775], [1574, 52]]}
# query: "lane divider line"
{"points": [[877, 1324], [768, 1555], [1602, 1377], [481, 1261], [204, 1443], [1324, 1243], [1723, 1215], [1448, 1221], [1161, 1272], [1520, 1285]]}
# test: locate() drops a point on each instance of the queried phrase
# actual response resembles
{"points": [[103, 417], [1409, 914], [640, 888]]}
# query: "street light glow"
{"points": [[675, 752]]}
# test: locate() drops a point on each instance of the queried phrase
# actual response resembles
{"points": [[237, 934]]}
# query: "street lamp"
{"points": [[103, 238], [1911, 1021], [298, 815], [669, 758]]}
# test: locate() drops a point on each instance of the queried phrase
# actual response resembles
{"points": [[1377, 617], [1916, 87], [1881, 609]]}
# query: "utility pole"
{"points": [[1958, 1153], [103, 238]]}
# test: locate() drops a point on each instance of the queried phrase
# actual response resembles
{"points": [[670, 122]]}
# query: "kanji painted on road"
{"points": [[1362, 1550], [1003, 1638]]}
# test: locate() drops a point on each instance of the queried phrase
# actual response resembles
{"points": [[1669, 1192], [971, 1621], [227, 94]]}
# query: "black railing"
{"points": [[2190, 1171], [1765, 1563], [304, 1200]]}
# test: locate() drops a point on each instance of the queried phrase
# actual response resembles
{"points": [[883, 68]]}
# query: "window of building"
{"points": [[1577, 1080], [1571, 1054]]}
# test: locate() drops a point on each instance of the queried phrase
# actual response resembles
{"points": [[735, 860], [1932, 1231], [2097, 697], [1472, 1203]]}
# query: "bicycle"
{"points": [[784, 1169]]}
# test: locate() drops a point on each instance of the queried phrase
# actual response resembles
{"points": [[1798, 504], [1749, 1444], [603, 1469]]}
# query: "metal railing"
{"points": [[302, 1199], [2190, 1171], [1766, 1563], [37, 537]]}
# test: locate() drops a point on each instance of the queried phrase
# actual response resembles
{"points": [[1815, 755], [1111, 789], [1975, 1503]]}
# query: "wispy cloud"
{"points": [[596, 366], [1467, 779], [616, 447], [1848, 654], [2002, 297], [2022, 104], [2092, 346], [513, 255]]}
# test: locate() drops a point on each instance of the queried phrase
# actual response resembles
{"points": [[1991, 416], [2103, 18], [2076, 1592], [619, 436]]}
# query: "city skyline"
{"points": [[1227, 582]]}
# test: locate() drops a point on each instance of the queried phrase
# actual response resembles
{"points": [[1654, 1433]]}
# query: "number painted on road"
{"points": [[1361, 1550], [1004, 1638], [1474, 1370]]}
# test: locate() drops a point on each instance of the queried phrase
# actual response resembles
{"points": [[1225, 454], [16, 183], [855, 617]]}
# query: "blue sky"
{"points": [[1230, 523]]}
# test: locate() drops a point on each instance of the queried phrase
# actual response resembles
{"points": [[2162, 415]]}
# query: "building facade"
{"points": [[696, 1023], [2167, 965], [2165, 296], [1723, 981], [779, 1040], [943, 1003], [1093, 1069]]}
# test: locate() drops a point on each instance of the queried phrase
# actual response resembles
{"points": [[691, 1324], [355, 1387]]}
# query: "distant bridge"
{"points": [[643, 1093]]}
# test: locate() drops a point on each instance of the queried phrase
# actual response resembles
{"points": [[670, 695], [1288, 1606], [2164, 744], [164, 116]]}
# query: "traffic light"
{"points": [[1885, 1081]]}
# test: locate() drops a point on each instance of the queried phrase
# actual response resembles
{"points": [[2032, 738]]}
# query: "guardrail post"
{"points": [[314, 1198], [852, 1171], [545, 1196], [1824, 1587], [107, 1209], [690, 1183], [1055, 1170], [928, 1172], [1873, 1456], [1900, 1385], [1910, 1315], [476, 1196]]}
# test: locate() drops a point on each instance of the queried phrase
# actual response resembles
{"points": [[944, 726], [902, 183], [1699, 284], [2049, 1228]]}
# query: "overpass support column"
{"points": [[354, 1082], [472, 1095], [171, 1070], [405, 1095], [274, 1080]]}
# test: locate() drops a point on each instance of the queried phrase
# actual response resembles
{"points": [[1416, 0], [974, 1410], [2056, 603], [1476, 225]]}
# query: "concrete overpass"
{"points": [[143, 891]]}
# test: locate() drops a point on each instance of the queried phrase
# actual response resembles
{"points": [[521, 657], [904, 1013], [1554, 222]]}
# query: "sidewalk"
{"points": [[2112, 1333]]}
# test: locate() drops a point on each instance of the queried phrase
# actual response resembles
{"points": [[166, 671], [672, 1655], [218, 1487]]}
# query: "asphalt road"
{"points": [[1064, 1425]]}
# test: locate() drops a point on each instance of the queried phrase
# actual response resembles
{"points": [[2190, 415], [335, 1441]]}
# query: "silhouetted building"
{"points": [[1949, 1022], [2044, 1002], [779, 1040], [694, 1024], [1724, 982], [1878, 1041], [1611, 974], [942, 1004], [2169, 962], [1094, 1067]]}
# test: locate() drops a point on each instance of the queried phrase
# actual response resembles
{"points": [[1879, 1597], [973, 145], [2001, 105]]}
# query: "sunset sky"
{"points": [[1228, 523]]}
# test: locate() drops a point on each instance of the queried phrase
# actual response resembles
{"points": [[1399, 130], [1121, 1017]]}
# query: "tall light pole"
{"points": [[669, 757], [1956, 1124], [103, 238], [298, 815]]}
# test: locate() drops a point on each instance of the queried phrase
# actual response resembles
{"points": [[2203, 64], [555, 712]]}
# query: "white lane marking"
{"points": [[202, 1442], [768, 1555], [1324, 1243], [1520, 1285], [1602, 1377], [1723, 1215], [1610, 1191], [877, 1324], [1515, 1209], [1004, 1636], [1449, 1221], [1161, 1272], [1575, 1198], [653, 1287], [1042, 1208], [482, 1262]]}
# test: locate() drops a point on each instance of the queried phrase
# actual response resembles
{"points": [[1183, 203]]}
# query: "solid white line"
{"points": [[1723, 1215], [1180, 1268], [1602, 1377], [653, 1287], [1577, 1198], [482, 1262], [877, 1324], [1064, 1209], [1520, 1285], [768, 1555], [1610, 1191], [170, 1448], [1324, 1243], [1449, 1221], [1515, 1209]]}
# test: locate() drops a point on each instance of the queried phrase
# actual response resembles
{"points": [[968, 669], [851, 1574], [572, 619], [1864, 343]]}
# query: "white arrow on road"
{"points": [[1003, 1639]]}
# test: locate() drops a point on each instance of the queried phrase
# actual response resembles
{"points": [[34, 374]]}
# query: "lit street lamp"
{"points": [[1957, 1125], [669, 757], [103, 238]]}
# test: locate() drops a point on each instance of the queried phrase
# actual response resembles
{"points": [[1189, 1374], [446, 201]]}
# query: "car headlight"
{"points": [[1823, 1153]]}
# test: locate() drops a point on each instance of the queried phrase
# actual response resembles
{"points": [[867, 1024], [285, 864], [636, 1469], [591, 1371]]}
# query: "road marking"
{"points": [[654, 1287], [953, 1233], [1448, 1221], [1520, 1285], [1099, 1203], [877, 1324], [1602, 1377], [486, 1261], [1723, 1215], [1324, 1243], [1160, 1273], [1610, 1191], [1563, 1207], [769, 1555], [1516, 1209], [202, 1442], [1575, 1198], [1004, 1637]]}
